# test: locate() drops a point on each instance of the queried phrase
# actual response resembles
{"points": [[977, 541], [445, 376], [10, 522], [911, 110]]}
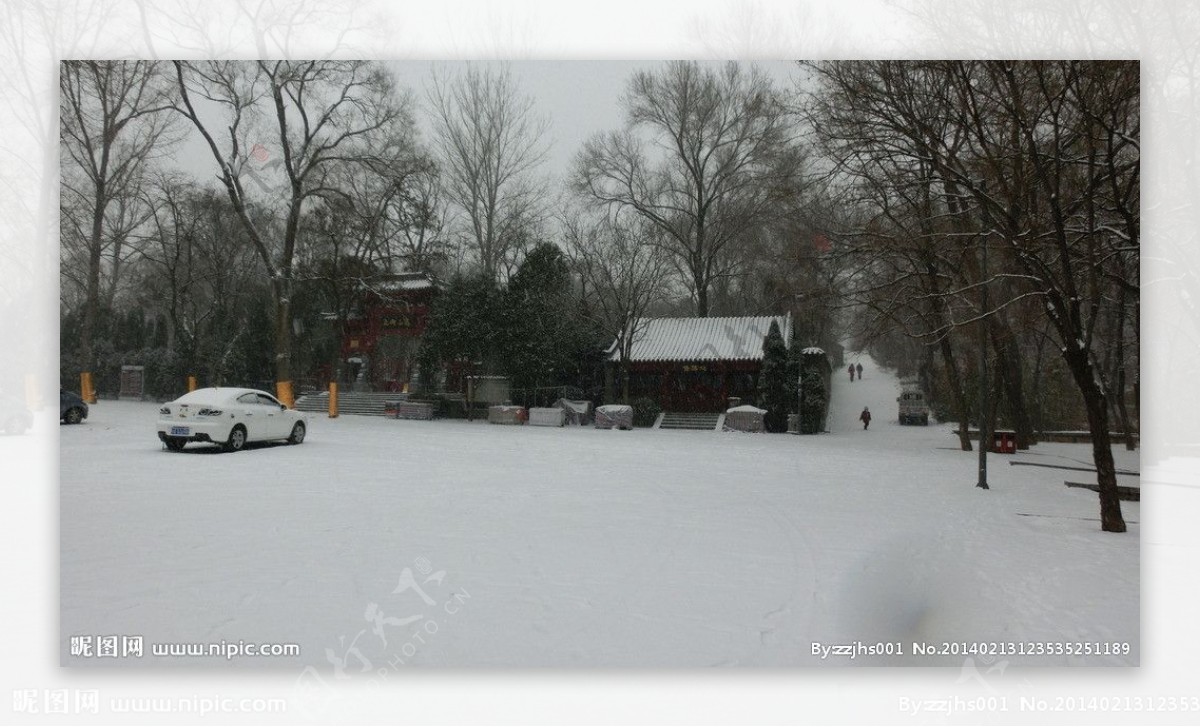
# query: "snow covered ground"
{"points": [[382, 544]]}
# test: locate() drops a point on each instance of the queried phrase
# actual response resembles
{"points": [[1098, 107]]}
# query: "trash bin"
{"points": [[1004, 442]]}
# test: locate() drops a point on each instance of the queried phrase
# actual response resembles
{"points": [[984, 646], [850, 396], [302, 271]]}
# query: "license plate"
{"points": [[180, 431]]}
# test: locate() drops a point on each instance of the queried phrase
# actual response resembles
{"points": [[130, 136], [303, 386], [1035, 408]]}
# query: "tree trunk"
{"points": [[1123, 411], [283, 340], [1096, 403], [1119, 406], [1009, 369], [954, 381], [91, 304], [701, 300]]}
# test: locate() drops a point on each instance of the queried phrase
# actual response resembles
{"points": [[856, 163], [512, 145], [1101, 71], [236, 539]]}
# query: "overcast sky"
{"points": [[580, 97]]}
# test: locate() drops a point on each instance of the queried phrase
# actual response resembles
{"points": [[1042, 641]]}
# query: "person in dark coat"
{"points": [[859, 367], [865, 417], [851, 370]]}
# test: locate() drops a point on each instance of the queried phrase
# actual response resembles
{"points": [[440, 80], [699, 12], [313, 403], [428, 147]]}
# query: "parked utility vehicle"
{"points": [[913, 409]]}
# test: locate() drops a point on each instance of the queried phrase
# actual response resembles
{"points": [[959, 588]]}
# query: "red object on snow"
{"points": [[1004, 442]]}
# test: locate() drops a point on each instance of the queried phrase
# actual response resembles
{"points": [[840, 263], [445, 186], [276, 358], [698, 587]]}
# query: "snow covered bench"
{"points": [[1124, 492], [614, 416]]}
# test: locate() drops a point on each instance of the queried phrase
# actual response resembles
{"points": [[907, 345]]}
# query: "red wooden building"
{"points": [[380, 344], [699, 364]]}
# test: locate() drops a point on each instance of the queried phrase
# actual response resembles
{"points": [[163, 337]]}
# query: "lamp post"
{"points": [[985, 435]]}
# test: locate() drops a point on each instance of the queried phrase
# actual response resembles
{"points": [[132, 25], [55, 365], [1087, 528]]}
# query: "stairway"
{"points": [[364, 403], [689, 420]]}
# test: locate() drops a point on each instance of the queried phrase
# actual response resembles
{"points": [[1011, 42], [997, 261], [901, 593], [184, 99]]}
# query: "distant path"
{"points": [[877, 390]]}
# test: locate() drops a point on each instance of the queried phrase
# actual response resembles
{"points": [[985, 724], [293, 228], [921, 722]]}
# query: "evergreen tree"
{"points": [[462, 327], [813, 401], [773, 386], [542, 337], [794, 365]]}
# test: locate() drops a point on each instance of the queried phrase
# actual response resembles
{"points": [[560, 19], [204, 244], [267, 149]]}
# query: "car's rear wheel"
{"points": [[175, 444], [298, 433], [74, 415], [237, 439]]}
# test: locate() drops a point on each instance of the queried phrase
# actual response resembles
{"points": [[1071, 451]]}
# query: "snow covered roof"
{"points": [[403, 282], [735, 338], [813, 350]]}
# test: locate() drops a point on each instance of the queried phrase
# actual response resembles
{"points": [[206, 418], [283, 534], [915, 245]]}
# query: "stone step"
{"points": [[689, 420], [357, 403]]}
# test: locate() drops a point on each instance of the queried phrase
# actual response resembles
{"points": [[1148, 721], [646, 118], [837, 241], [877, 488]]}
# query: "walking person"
{"points": [[865, 417], [851, 370], [859, 367]]}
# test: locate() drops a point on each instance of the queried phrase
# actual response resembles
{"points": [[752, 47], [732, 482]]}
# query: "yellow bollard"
{"points": [[85, 388], [191, 383], [333, 402], [283, 392]]}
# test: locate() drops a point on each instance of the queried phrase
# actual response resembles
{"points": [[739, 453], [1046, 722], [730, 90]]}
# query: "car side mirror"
{"points": [[283, 407]]}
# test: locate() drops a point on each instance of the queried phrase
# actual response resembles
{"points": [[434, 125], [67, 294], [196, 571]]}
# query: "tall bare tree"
{"points": [[112, 122], [622, 276], [200, 273], [705, 156], [490, 141], [280, 127], [419, 215]]}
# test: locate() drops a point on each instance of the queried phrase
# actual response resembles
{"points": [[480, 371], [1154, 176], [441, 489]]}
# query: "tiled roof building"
{"points": [[699, 364]]}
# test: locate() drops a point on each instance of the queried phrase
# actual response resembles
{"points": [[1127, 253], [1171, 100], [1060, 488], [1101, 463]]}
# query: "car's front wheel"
{"points": [[237, 439], [175, 444], [74, 415], [298, 433]]}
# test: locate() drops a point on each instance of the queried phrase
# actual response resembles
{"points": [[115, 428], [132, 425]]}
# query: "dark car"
{"points": [[15, 418], [71, 408]]}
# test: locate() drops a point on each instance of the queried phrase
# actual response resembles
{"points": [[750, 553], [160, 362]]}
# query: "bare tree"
{"points": [[199, 272], [418, 213], [112, 124], [490, 142], [705, 157], [356, 238], [309, 115], [622, 276]]}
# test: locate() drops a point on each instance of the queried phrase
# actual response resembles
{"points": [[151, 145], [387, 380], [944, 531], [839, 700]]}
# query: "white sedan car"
{"points": [[229, 417]]}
